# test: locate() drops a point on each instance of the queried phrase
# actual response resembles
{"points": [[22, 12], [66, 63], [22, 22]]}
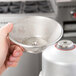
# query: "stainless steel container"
{"points": [[35, 33], [59, 59]]}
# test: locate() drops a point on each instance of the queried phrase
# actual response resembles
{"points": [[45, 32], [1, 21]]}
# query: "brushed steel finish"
{"points": [[42, 30]]}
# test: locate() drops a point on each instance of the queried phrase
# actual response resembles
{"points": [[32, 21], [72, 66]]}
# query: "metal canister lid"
{"points": [[65, 45]]}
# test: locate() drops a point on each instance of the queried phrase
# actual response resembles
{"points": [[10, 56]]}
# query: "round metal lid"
{"points": [[65, 45]]}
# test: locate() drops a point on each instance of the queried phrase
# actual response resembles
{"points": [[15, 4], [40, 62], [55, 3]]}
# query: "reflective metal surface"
{"points": [[65, 45], [58, 62], [36, 33]]}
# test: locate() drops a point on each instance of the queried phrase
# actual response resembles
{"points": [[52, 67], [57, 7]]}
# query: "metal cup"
{"points": [[35, 33]]}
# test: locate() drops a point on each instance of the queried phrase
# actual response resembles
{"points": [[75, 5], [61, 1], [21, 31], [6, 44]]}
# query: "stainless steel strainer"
{"points": [[35, 33]]}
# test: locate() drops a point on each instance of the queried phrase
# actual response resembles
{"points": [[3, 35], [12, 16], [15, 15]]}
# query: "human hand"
{"points": [[9, 52]]}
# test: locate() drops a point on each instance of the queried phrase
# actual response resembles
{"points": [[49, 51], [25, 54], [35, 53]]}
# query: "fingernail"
{"points": [[17, 53]]}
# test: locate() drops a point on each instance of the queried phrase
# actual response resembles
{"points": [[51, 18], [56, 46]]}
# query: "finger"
{"points": [[15, 47], [6, 29], [17, 53], [12, 48], [11, 64], [15, 59], [15, 50], [12, 43]]}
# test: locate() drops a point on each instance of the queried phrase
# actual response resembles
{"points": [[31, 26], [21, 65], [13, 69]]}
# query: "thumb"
{"points": [[5, 30]]}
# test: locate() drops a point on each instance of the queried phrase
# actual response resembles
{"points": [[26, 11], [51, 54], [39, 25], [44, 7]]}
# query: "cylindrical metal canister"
{"points": [[59, 59]]}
